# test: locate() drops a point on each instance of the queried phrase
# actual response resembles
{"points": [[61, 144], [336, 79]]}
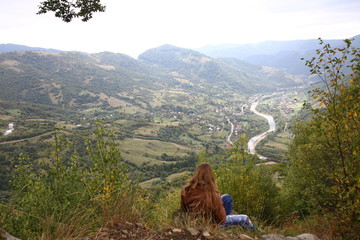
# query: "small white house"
{"points": [[9, 129]]}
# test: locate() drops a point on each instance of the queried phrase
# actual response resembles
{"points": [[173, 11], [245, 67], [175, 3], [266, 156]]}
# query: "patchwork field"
{"points": [[153, 128], [169, 179], [141, 151], [277, 147]]}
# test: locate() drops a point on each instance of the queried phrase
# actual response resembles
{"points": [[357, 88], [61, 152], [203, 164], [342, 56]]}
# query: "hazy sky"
{"points": [[133, 26]]}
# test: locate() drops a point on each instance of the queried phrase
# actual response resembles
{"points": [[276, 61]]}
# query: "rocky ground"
{"points": [[137, 231]]}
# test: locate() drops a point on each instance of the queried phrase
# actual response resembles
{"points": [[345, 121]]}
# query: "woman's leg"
{"points": [[240, 220], [227, 202]]}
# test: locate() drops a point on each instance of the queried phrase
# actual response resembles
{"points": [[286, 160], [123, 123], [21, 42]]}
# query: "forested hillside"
{"points": [[74, 80]]}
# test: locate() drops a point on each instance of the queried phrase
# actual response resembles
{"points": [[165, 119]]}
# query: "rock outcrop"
{"points": [[137, 231], [127, 230], [4, 235], [305, 236]]}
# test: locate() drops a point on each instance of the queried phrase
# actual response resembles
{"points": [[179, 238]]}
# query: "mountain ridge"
{"points": [[75, 80], [284, 55], [10, 47]]}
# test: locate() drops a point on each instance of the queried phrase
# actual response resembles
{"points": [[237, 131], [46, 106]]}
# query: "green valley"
{"points": [[165, 107]]}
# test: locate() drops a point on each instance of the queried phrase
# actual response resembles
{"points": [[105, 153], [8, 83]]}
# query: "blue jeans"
{"points": [[235, 219]]}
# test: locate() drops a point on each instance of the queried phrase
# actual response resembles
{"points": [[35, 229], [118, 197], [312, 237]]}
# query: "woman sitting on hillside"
{"points": [[201, 197]]}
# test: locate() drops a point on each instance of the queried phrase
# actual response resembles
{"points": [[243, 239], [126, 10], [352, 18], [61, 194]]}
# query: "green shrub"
{"points": [[68, 199], [162, 210], [252, 187], [323, 172]]}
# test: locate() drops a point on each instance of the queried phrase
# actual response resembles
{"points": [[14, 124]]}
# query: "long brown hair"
{"points": [[204, 176]]}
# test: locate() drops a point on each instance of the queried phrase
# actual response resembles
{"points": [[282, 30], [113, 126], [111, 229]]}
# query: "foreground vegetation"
{"points": [[315, 189]]}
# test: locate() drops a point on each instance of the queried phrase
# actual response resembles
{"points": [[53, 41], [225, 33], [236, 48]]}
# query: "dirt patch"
{"points": [[47, 53], [11, 64], [267, 163], [185, 81], [107, 67], [137, 231]]}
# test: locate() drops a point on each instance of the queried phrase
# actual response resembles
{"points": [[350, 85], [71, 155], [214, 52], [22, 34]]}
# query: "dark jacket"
{"points": [[193, 202]]}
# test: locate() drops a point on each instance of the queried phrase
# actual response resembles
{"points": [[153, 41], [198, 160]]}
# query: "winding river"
{"points": [[255, 140]]}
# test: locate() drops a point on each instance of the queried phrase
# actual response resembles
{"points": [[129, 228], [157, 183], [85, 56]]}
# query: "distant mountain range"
{"points": [[15, 47], [160, 76], [283, 55]]}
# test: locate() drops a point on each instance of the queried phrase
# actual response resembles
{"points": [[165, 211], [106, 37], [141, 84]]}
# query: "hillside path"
{"points": [[231, 132], [24, 139]]}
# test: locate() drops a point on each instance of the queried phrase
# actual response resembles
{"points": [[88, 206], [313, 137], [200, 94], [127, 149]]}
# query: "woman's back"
{"points": [[201, 197]]}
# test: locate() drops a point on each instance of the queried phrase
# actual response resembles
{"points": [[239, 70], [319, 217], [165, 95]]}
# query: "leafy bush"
{"points": [[66, 198], [324, 168], [160, 214], [252, 188]]}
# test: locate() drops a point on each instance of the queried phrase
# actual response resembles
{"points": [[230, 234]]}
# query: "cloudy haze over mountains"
{"points": [[132, 27]]}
